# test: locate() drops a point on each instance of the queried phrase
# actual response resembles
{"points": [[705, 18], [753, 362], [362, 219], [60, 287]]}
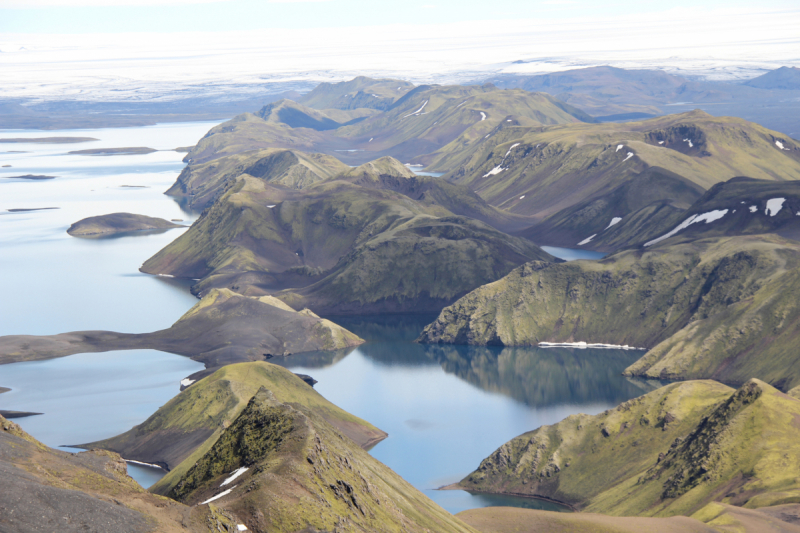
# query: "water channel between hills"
{"points": [[445, 407]]}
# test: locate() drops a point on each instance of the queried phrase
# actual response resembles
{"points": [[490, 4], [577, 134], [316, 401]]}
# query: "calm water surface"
{"points": [[448, 407], [445, 407]]}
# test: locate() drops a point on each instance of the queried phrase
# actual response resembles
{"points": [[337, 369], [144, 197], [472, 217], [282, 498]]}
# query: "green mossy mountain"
{"points": [[118, 223], [545, 172], [200, 184], [334, 247], [296, 115], [422, 121], [358, 93], [670, 452], [191, 422], [224, 327], [301, 474], [702, 308]]}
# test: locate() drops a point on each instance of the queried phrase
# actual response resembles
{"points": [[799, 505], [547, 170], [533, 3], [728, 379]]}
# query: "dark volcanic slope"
{"points": [[47, 490], [224, 327]]}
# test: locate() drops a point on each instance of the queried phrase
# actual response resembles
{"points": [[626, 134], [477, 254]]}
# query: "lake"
{"points": [[445, 407]]}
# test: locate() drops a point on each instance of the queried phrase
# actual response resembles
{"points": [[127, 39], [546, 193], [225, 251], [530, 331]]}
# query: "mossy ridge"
{"points": [[197, 416], [443, 259], [556, 167], [359, 93], [402, 130], [341, 238], [202, 183], [670, 452], [701, 307], [584, 456], [303, 474]]}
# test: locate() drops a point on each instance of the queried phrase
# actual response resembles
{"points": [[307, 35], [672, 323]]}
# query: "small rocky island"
{"points": [[118, 223]]}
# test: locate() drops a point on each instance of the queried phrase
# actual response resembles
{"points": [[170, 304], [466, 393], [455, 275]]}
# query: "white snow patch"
{"points": [[630, 154], [688, 141], [521, 197], [619, 147], [587, 240], [220, 495], [483, 116], [509, 150], [236, 473], [614, 220], [496, 170], [584, 345], [774, 206], [487, 136], [375, 95], [370, 139], [462, 103], [186, 382], [418, 111], [242, 527], [753, 209], [141, 463], [660, 142], [165, 275], [711, 216], [780, 145], [271, 206], [509, 120]]}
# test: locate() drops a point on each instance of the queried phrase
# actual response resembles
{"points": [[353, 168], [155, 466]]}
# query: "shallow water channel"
{"points": [[445, 407]]}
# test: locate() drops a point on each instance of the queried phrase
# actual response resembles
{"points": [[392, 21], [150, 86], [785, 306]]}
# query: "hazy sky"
{"points": [[101, 16]]}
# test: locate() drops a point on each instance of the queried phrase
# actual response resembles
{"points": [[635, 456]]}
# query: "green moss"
{"points": [[671, 452]]}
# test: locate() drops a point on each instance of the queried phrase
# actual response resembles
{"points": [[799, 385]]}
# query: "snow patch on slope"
{"points": [[711, 216]]}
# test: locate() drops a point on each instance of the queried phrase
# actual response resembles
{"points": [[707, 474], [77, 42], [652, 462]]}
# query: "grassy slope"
{"points": [[670, 452], [303, 474], [703, 307], [202, 183], [191, 422], [559, 166]]}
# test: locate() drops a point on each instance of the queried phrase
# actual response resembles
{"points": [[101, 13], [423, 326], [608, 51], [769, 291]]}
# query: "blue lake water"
{"points": [[445, 407], [571, 254], [448, 407]]}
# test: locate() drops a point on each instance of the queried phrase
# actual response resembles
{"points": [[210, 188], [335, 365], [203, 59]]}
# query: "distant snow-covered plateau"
{"points": [[736, 44]]}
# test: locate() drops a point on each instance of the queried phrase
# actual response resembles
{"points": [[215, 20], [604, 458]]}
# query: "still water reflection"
{"points": [[447, 407]]}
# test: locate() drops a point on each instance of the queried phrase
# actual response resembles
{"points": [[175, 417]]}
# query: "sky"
{"points": [[103, 16], [139, 49]]}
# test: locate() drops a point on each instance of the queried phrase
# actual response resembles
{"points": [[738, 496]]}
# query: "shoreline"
{"points": [[456, 486]]}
